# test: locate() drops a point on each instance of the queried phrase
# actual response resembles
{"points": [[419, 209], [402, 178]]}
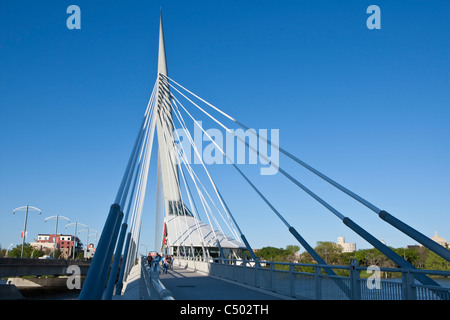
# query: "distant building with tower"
{"points": [[440, 240], [346, 247]]}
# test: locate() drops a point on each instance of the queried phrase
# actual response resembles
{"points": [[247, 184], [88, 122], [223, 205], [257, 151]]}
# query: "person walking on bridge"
{"points": [[156, 263], [165, 264], [170, 258], [149, 259]]}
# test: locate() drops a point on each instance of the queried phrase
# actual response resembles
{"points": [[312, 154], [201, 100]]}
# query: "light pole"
{"points": [[146, 250], [7, 250], [57, 217], [96, 236], [87, 237], [75, 235], [26, 209]]}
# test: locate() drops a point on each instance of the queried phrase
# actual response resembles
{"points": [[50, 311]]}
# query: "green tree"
{"points": [[16, 251], [279, 254], [436, 262], [369, 257], [293, 249], [346, 258], [272, 253], [410, 255], [360, 255], [37, 253], [422, 255], [330, 252]]}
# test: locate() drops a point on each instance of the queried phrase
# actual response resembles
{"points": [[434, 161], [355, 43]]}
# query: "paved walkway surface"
{"points": [[187, 284]]}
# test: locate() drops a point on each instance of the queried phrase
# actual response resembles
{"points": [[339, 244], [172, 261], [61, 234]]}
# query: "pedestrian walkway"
{"points": [[186, 284]]}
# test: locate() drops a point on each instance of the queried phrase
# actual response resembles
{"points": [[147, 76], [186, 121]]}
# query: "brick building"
{"points": [[64, 242]]}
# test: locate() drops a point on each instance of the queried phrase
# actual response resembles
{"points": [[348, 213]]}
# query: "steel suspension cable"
{"points": [[347, 221], [384, 215], [293, 231], [244, 239], [192, 143]]}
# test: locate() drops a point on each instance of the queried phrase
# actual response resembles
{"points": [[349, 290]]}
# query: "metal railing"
{"points": [[308, 281], [151, 286]]}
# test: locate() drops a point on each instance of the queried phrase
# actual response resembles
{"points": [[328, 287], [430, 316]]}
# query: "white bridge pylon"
{"points": [[178, 229]]}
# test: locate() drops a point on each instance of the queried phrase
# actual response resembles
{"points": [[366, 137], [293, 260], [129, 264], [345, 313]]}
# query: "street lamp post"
{"points": [[75, 235], [7, 250], [87, 237], [146, 250], [57, 217], [26, 209], [96, 236]]}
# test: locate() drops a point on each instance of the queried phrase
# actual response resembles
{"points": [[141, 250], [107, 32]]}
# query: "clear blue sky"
{"points": [[369, 108]]}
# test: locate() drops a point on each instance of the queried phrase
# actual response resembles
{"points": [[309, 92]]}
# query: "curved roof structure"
{"points": [[186, 230]]}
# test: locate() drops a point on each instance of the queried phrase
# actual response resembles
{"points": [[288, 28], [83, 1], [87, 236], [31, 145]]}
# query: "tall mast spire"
{"points": [[167, 161], [162, 62]]}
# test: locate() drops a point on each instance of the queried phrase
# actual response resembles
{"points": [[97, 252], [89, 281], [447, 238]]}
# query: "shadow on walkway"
{"points": [[187, 284]]}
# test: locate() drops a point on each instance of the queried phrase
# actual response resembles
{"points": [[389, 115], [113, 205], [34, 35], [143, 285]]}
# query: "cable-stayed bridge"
{"points": [[194, 223]]}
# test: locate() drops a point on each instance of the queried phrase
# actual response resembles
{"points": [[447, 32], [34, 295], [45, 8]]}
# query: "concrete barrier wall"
{"points": [[30, 283], [16, 267], [200, 266]]}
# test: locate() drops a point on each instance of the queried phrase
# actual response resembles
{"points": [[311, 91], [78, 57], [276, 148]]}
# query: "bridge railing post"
{"points": [[272, 278], [408, 289], [318, 282], [291, 280], [355, 280], [256, 269]]}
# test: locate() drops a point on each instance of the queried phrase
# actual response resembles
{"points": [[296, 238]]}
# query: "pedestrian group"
{"points": [[154, 262]]}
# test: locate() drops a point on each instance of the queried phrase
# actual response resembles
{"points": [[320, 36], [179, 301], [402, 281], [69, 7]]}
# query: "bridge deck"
{"points": [[187, 284]]}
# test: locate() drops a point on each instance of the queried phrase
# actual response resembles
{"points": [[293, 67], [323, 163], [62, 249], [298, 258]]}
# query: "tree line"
{"points": [[32, 252], [331, 253]]}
